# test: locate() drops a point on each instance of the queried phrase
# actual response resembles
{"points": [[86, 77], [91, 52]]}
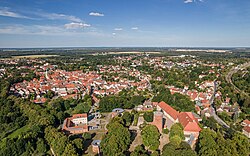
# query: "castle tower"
{"points": [[158, 120], [96, 146]]}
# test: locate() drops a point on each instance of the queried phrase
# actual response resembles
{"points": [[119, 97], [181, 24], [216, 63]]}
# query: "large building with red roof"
{"points": [[171, 115], [76, 124], [188, 120], [190, 125]]}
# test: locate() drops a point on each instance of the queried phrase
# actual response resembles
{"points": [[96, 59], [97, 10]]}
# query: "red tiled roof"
{"points": [[189, 122], [155, 103], [41, 100], [247, 122], [70, 86], [247, 129], [79, 115], [70, 96], [192, 127], [169, 110]]}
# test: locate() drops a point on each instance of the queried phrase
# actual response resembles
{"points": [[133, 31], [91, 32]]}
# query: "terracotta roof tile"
{"points": [[189, 122], [247, 122], [80, 115], [169, 110], [247, 129]]}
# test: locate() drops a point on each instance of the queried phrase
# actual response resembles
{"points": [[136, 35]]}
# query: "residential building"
{"points": [[246, 128]]}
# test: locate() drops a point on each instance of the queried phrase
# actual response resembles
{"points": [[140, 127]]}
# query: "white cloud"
{"points": [[31, 30], [192, 1], [76, 25], [188, 1], [113, 33], [118, 29], [96, 14], [45, 30], [7, 13], [134, 28], [55, 16]]}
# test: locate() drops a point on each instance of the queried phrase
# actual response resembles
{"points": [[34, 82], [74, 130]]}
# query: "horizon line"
{"points": [[59, 47]]}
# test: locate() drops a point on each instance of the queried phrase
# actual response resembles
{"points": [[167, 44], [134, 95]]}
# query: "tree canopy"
{"points": [[150, 137], [178, 101], [148, 116], [117, 140]]}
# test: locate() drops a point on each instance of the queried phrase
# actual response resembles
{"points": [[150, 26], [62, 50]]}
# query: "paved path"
{"points": [[52, 151], [218, 119]]}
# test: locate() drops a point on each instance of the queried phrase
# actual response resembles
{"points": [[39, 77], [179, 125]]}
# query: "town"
{"points": [[140, 103]]}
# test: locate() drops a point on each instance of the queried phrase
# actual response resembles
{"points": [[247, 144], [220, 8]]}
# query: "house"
{"points": [[246, 131], [246, 128], [147, 106], [245, 123], [40, 100], [80, 119], [76, 124]]}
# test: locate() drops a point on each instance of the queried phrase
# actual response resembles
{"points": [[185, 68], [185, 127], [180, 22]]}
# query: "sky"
{"points": [[124, 23]]}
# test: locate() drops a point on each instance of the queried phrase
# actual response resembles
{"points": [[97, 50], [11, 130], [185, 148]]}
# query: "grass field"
{"points": [[33, 56]]}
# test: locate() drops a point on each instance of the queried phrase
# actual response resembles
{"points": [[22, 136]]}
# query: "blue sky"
{"points": [[90, 23]]}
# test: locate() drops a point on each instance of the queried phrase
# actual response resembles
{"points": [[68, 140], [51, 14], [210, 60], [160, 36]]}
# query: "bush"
{"points": [[148, 116], [165, 131], [86, 136], [136, 117]]}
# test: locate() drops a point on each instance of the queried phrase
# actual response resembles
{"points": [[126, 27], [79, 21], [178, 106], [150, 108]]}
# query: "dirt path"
{"points": [[164, 139], [136, 142]]}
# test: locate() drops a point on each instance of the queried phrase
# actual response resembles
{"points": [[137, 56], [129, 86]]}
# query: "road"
{"points": [[229, 80], [212, 112], [235, 70]]}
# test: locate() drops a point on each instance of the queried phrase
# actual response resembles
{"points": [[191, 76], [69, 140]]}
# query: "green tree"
{"points": [[223, 146], [150, 137], [127, 118], [169, 150], [69, 150], [176, 140], [183, 149], [207, 144], [139, 151], [148, 116], [41, 146], [241, 143], [165, 131], [116, 141], [79, 145], [135, 101], [177, 129], [86, 136]]}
